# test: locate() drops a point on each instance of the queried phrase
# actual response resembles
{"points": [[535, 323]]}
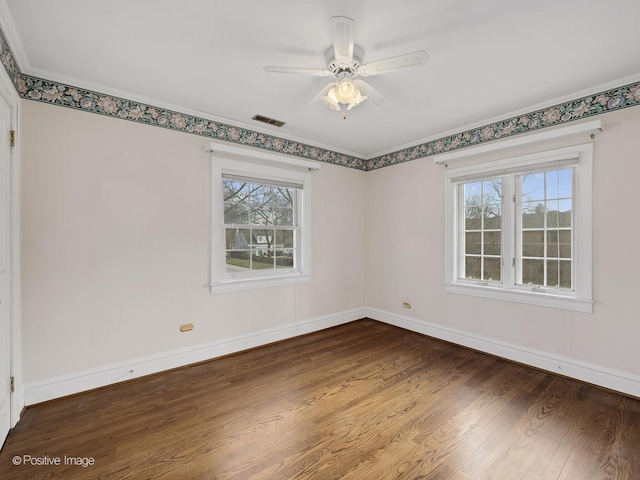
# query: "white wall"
{"points": [[115, 246], [405, 261]]}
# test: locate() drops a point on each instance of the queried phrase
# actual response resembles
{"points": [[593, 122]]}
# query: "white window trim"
{"points": [[252, 164], [581, 299]]}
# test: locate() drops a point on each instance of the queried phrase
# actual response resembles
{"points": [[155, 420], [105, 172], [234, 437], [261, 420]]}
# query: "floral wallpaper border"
{"points": [[8, 60], [603, 102], [47, 91], [63, 95]]}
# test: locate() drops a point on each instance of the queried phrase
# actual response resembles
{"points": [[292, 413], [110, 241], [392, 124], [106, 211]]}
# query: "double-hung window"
{"points": [[519, 229], [260, 225]]}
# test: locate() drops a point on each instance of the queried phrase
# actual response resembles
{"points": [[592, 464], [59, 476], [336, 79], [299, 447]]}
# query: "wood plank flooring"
{"points": [[363, 400]]}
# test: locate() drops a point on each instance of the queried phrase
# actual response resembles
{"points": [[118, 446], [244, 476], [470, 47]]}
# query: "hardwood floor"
{"points": [[360, 401]]}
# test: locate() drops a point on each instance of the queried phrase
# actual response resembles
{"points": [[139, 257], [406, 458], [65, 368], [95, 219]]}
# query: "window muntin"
{"points": [[261, 225]]}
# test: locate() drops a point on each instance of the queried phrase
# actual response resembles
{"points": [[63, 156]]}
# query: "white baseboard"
{"points": [[49, 389], [615, 380], [61, 386]]}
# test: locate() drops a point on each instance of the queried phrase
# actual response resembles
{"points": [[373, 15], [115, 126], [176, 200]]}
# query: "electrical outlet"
{"points": [[406, 305], [186, 327]]}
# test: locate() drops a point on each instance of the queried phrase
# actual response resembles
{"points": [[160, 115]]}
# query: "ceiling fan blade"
{"points": [[299, 71], [343, 28], [371, 93], [414, 59]]}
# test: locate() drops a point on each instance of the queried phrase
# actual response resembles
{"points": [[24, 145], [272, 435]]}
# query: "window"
{"points": [[519, 229], [260, 225]]}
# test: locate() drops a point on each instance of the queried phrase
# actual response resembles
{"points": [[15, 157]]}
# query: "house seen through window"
{"points": [[260, 222]]}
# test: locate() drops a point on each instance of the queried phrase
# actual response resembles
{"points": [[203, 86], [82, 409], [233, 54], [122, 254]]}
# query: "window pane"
{"points": [[559, 183], [237, 213], [492, 191], [261, 214], [473, 243], [284, 258], [533, 214], [262, 259], [237, 238], [493, 216], [284, 238], [237, 261], [533, 187], [285, 253], [472, 267], [262, 252], [283, 216], [533, 243], [493, 243], [492, 269], [552, 213], [262, 242], [564, 213], [552, 184], [533, 272], [564, 237], [285, 197], [565, 274], [473, 193], [235, 191], [472, 218], [559, 273], [259, 194], [552, 274], [262, 204]]}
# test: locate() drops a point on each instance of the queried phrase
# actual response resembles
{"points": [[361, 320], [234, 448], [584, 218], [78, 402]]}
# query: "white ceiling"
{"points": [[488, 58]]}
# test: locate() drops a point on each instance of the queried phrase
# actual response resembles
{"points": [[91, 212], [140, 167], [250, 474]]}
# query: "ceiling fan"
{"points": [[344, 62]]}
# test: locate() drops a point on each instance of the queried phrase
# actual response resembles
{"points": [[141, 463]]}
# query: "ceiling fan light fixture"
{"points": [[331, 101], [357, 100], [345, 92]]}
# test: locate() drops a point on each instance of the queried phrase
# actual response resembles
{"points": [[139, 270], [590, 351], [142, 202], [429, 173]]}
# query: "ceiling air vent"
{"points": [[267, 120]]}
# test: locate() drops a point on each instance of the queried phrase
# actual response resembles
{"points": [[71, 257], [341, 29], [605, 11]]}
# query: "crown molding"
{"points": [[10, 32]]}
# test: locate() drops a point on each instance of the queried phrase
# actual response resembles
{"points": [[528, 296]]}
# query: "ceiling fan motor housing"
{"points": [[342, 70]]}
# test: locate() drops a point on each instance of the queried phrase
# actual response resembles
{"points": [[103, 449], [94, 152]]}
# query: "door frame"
{"points": [[16, 398]]}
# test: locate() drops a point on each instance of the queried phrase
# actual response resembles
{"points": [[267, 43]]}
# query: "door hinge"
{"points": [[513, 198], [12, 138], [13, 384]]}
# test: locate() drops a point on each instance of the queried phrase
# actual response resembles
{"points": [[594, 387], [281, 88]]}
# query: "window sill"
{"points": [[518, 296], [236, 285]]}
